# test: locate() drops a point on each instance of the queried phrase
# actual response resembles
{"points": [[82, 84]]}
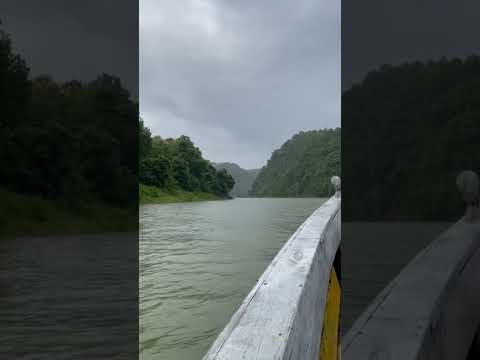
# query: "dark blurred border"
{"points": [[410, 125], [68, 179]]}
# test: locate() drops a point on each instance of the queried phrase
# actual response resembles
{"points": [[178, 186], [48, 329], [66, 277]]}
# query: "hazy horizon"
{"points": [[235, 162]]}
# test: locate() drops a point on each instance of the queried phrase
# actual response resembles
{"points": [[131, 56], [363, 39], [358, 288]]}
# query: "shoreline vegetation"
{"points": [[154, 195], [174, 170], [423, 130], [302, 166], [244, 178], [68, 152], [38, 216]]}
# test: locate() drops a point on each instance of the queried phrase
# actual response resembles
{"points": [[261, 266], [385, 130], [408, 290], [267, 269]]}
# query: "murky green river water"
{"points": [[197, 263]]}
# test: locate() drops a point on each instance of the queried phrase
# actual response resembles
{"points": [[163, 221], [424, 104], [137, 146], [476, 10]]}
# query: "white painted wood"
{"points": [[282, 316]]}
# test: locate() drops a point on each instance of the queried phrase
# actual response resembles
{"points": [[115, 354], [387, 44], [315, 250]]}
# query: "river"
{"points": [[199, 260], [197, 263], [69, 297]]}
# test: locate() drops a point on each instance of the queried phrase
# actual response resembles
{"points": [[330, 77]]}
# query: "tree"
{"points": [[178, 164], [14, 84], [422, 131], [155, 171], [70, 142], [181, 173], [303, 166], [144, 141]]}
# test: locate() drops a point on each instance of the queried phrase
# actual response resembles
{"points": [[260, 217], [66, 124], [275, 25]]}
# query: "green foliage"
{"points": [[408, 131], [40, 216], [144, 141], [224, 182], [177, 165], [14, 84], [153, 194], [155, 171], [243, 178], [303, 166], [72, 144]]}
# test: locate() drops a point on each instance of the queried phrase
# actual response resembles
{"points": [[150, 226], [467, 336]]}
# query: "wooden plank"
{"points": [[430, 310], [282, 316]]}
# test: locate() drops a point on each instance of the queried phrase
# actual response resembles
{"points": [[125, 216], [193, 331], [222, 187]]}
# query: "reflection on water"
{"points": [[197, 263]]}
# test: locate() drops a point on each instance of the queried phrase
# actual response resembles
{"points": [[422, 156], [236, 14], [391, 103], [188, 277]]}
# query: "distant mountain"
{"points": [[303, 166], [243, 178], [254, 172]]}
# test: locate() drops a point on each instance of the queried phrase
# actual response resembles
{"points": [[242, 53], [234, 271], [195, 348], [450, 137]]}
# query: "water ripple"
{"points": [[197, 263]]}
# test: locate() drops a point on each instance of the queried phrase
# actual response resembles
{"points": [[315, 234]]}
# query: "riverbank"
{"points": [[22, 215], [154, 195]]}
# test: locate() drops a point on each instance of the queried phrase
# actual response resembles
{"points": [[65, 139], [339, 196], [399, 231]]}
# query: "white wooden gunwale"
{"points": [[282, 316]]}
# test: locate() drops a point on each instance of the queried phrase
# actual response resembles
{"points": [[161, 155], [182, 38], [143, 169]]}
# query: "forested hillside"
{"points": [[243, 178], [66, 150], [175, 165], [408, 131], [303, 166]]}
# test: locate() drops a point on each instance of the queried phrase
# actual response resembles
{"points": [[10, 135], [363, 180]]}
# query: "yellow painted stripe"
{"points": [[330, 344]]}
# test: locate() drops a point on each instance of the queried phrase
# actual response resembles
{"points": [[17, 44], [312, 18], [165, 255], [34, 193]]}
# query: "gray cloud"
{"points": [[76, 39], [380, 32], [239, 77]]}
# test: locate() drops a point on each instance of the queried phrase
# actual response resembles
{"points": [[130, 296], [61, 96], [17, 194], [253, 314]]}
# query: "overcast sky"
{"points": [[239, 77], [376, 32], [75, 39]]}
